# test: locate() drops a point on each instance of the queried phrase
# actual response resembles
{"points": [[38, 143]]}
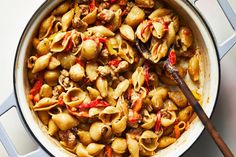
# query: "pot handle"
{"points": [[225, 46], [9, 103]]}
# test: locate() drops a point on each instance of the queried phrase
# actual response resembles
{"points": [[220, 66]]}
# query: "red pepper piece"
{"points": [[61, 102], [114, 62], [146, 73], [80, 62], [177, 131], [36, 87], [92, 5], [108, 151], [123, 2], [172, 57], [112, 1], [102, 40], [158, 122], [138, 105], [94, 103]]}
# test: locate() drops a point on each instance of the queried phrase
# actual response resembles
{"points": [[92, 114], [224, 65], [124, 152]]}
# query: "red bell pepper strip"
{"points": [[112, 1], [93, 104], [102, 40], [114, 62], [92, 5], [138, 105], [36, 87], [80, 62], [158, 122], [60, 102], [146, 73], [108, 151], [177, 131], [122, 2], [172, 57]]}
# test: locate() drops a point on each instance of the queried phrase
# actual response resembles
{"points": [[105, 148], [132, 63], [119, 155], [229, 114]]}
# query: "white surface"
{"points": [[15, 15]]}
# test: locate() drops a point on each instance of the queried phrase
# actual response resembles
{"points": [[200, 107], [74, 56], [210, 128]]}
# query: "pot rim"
{"points": [[44, 4]]}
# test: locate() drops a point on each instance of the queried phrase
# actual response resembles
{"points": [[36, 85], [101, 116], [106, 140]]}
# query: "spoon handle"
{"points": [[200, 112]]}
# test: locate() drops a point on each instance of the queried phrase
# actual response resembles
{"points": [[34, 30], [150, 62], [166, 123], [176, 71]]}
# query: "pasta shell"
{"points": [[145, 3], [119, 145], [84, 137], [52, 127], [99, 130], [193, 68], [158, 96], [81, 151], [166, 141], [41, 63], [158, 30], [94, 148], [91, 17], [101, 30], [116, 22], [67, 19], [94, 112], [158, 51], [76, 72], [64, 121], [43, 47], [102, 86], [170, 105], [185, 114], [127, 32], [89, 49], [51, 77], [168, 118], [53, 64], [171, 34], [61, 9], [44, 117], [185, 38], [60, 42], [160, 12], [138, 78], [91, 71], [109, 114], [144, 31], [122, 105], [45, 104], [148, 120], [74, 97], [135, 17], [148, 140], [118, 126], [93, 93], [133, 146], [45, 91], [121, 88], [178, 98], [126, 52], [46, 27]]}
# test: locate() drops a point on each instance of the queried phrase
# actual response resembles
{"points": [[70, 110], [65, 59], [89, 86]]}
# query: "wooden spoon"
{"points": [[191, 99]]}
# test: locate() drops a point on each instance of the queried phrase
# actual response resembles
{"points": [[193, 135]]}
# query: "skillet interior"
{"points": [[209, 78]]}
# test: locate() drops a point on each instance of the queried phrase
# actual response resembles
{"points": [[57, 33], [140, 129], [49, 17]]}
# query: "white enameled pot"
{"points": [[210, 81]]}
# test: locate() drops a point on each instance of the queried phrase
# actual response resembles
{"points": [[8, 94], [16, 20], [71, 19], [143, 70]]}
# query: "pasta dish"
{"points": [[95, 93]]}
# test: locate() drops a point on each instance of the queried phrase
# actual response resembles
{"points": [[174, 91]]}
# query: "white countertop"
{"points": [[14, 15]]}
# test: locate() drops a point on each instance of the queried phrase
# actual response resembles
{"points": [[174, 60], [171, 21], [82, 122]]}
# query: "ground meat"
{"points": [[106, 15], [68, 138]]}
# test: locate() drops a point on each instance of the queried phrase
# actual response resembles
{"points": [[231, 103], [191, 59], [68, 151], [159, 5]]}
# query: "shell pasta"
{"points": [[96, 95]]}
